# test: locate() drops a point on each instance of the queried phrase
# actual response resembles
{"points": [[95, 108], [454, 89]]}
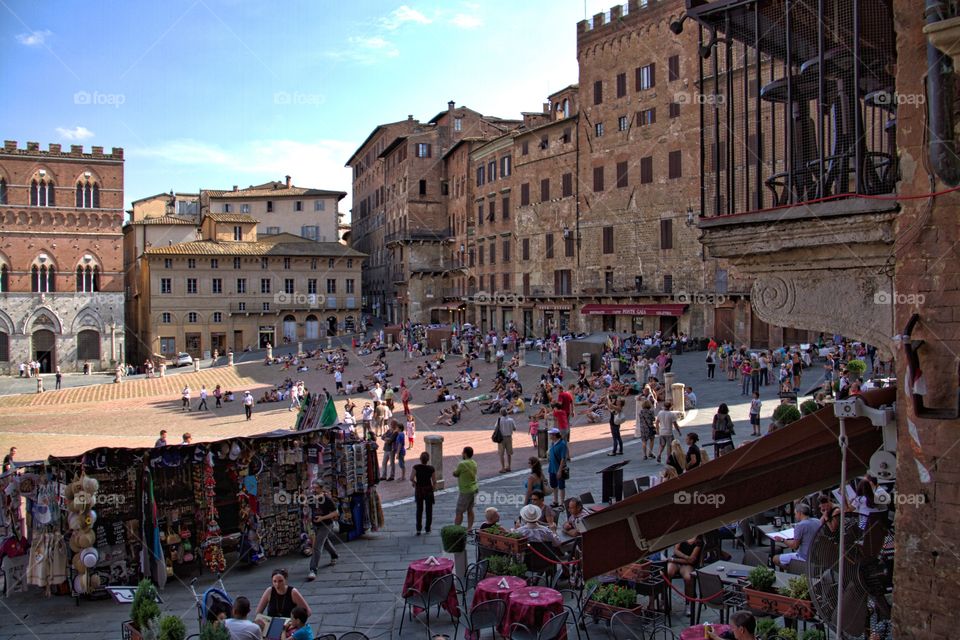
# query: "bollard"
{"points": [[196, 364], [676, 394], [543, 443], [434, 446], [299, 348], [269, 351], [586, 362], [230, 359], [668, 380], [523, 355], [329, 343]]}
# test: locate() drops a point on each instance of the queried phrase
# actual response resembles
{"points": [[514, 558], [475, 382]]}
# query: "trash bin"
{"points": [[543, 443]]}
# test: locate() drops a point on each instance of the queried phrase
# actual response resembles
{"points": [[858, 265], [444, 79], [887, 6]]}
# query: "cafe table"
{"points": [[769, 531], [492, 589], [532, 606], [735, 573], [422, 573], [696, 632]]}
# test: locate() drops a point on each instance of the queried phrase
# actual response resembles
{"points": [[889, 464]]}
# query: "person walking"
{"points": [[389, 455], [185, 399], [711, 364], [666, 422], [248, 404], [59, 379], [646, 418], [405, 398], [557, 469], [424, 481], [615, 406], [506, 426], [323, 515], [723, 431], [202, 406], [754, 376], [466, 475], [400, 447], [218, 396]]}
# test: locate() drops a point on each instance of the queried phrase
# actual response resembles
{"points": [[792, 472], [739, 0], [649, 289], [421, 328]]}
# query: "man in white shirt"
{"points": [[248, 404], [532, 530], [666, 422], [377, 392], [506, 426], [239, 627]]}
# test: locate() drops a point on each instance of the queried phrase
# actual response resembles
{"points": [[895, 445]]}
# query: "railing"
{"points": [[796, 102], [419, 235]]}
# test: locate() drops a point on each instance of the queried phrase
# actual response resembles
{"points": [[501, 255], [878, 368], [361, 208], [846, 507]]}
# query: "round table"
{"points": [[422, 573], [490, 589], [533, 611], [696, 632]]}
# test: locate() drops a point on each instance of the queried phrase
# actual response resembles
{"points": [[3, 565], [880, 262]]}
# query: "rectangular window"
{"points": [[567, 185], [480, 214], [168, 263], [216, 285], [491, 171], [505, 168], [506, 251], [350, 285], [608, 282], [622, 123], [310, 232], [265, 306], [493, 253], [645, 77], [492, 211], [666, 234], [165, 317], [227, 208], [286, 263], [544, 189], [457, 126], [524, 194], [264, 262], [668, 283], [548, 239], [598, 92], [621, 85], [483, 254], [331, 285], [673, 68], [214, 263], [493, 282], [598, 178], [236, 263], [320, 205], [191, 285], [444, 188], [544, 142], [473, 258], [269, 206], [525, 249], [562, 282], [566, 137], [524, 147], [168, 345], [646, 170], [191, 263], [526, 284], [621, 174], [241, 285], [264, 285], [646, 117], [166, 285], [608, 239], [217, 317], [568, 245], [423, 150], [675, 167], [505, 207], [288, 285], [481, 174], [506, 282], [312, 286], [598, 130], [241, 306], [271, 231], [423, 187], [245, 208], [237, 234], [674, 110]]}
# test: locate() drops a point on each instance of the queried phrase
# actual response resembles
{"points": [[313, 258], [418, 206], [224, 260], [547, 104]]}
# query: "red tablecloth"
{"points": [[696, 632], [421, 574], [490, 589], [533, 611]]}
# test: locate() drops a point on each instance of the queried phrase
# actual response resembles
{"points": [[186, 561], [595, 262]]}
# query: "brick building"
{"points": [[61, 280]]}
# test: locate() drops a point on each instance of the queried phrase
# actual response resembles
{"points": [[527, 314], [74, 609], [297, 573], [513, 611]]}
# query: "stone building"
{"points": [[61, 279], [184, 205], [223, 287]]}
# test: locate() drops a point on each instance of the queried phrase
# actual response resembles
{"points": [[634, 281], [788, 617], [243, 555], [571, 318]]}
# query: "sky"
{"points": [[215, 93]]}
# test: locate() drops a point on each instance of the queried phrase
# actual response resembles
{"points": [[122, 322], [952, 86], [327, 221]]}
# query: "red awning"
{"points": [[633, 309], [777, 468]]}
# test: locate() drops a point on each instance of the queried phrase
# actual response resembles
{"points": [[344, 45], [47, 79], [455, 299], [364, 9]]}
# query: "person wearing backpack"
{"points": [[722, 431]]}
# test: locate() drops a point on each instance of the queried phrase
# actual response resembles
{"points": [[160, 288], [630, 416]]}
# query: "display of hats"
{"points": [[78, 564], [90, 557], [235, 451], [89, 518], [89, 484], [86, 537], [80, 583], [74, 521], [75, 545], [95, 581], [187, 556]]}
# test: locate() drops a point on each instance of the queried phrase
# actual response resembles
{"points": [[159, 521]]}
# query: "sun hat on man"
{"points": [[530, 513], [554, 431]]}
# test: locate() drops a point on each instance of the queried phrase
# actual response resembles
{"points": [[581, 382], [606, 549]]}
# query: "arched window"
{"points": [[42, 278], [88, 278], [42, 193], [4, 279], [88, 194], [3, 191]]}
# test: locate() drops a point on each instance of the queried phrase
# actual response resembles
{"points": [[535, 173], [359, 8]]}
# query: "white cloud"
{"points": [[77, 133], [365, 50], [402, 15], [34, 38], [466, 21], [316, 164]]}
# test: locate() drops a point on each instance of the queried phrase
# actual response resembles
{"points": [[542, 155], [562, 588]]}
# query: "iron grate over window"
{"points": [[796, 102]]}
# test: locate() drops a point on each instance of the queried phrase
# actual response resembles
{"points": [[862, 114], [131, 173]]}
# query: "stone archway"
{"points": [[44, 349]]}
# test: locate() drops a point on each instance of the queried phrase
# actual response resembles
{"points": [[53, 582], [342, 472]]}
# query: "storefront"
{"points": [[637, 317]]}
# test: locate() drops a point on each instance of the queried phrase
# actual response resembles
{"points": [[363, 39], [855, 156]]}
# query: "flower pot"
{"points": [[603, 611], [778, 604], [502, 544], [130, 632]]}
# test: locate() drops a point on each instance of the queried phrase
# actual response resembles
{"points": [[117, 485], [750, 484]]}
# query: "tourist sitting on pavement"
{"points": [[449, 416], [491, 517], [532, 530]]}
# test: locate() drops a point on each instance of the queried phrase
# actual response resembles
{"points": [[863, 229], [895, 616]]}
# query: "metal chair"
{"points": [[655, 587], [709, 584], [542, 569], [797, 567], [580, 598], [662, 633], [626, 625], [326, 636], [435, 596], [486, 615], [474, 574], [354, 635], [550, 630]]}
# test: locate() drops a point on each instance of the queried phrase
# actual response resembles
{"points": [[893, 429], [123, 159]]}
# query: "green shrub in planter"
{"points": [[809, 406], [172, 628], [214, 632], [762, 579], [785, 414], [144, 607], [856, 368], [505, 566], [813, 634], [616, 596], [453, 537], [797, 588], [766, 629], [786, 634]]}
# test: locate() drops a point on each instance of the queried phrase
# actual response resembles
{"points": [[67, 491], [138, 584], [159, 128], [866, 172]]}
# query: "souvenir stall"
{"points": [[30, 518]]}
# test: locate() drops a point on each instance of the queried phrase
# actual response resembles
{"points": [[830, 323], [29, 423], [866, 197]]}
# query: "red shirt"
{"points": [[560, 416], [565, 398]]}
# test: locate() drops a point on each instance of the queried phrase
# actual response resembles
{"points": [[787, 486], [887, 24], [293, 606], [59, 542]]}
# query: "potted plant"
{"points": [[172, 628], [634, 572], [505, 566], [809, 406], [214, 632], [143, 609], [766, 629], [785, 414], [791, 602], [610, 599], [454, 540], [813, 634], [499, 539], [856, 368]]}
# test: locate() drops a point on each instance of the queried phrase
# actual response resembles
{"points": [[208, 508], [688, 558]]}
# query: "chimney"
{"points": [[410, 118], [235, 187], [54, 147], [33, 146], [97, 151], [76, 148], [451, 105], [288, 181], [9, 145]]}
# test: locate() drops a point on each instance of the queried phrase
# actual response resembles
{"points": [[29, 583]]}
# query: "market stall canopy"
{"points": [[789, 463]]}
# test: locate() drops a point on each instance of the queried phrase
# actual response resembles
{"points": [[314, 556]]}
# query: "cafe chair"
{"points": [[630, 488], [580, 599], [551, 630], [486, 615], [626, 625], [709, 584], [797, 567], [662, 633], [326, 636], [587, 498], [435, 596], [474, 574], [353, 635], [540, 570]]}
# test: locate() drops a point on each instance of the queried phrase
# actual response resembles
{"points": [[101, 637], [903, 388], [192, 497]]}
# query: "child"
{"points": [[297, 628], [410, 429], [534, 428]]}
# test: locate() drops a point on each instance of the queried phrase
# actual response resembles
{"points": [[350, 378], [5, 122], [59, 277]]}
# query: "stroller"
{"points": [[213, 603]]}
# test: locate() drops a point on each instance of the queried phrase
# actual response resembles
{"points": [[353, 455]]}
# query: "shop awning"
{"points": [[633, 309], [450, 306], [775, 469], [554, 307]]}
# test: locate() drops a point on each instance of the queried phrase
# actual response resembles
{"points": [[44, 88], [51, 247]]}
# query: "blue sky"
{"points": [[212, 93]]}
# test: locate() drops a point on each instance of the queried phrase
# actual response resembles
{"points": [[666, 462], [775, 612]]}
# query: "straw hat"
{"points": [[530, 513]]}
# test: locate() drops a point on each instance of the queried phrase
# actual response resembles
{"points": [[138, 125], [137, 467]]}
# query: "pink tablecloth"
{"points": [[696, 632], [532, 611], [421, 574], [490, 589]]}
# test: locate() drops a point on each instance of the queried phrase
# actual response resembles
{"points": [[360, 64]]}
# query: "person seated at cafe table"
{"points": [[546, 513], [280, 599], [685, 560], [297, 628], [803, 534], [575, 513], [491, 517], [532, 530], [743, 625]]}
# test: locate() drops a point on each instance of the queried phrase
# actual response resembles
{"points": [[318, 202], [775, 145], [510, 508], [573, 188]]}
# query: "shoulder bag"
{"points": [[497, 436]]}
